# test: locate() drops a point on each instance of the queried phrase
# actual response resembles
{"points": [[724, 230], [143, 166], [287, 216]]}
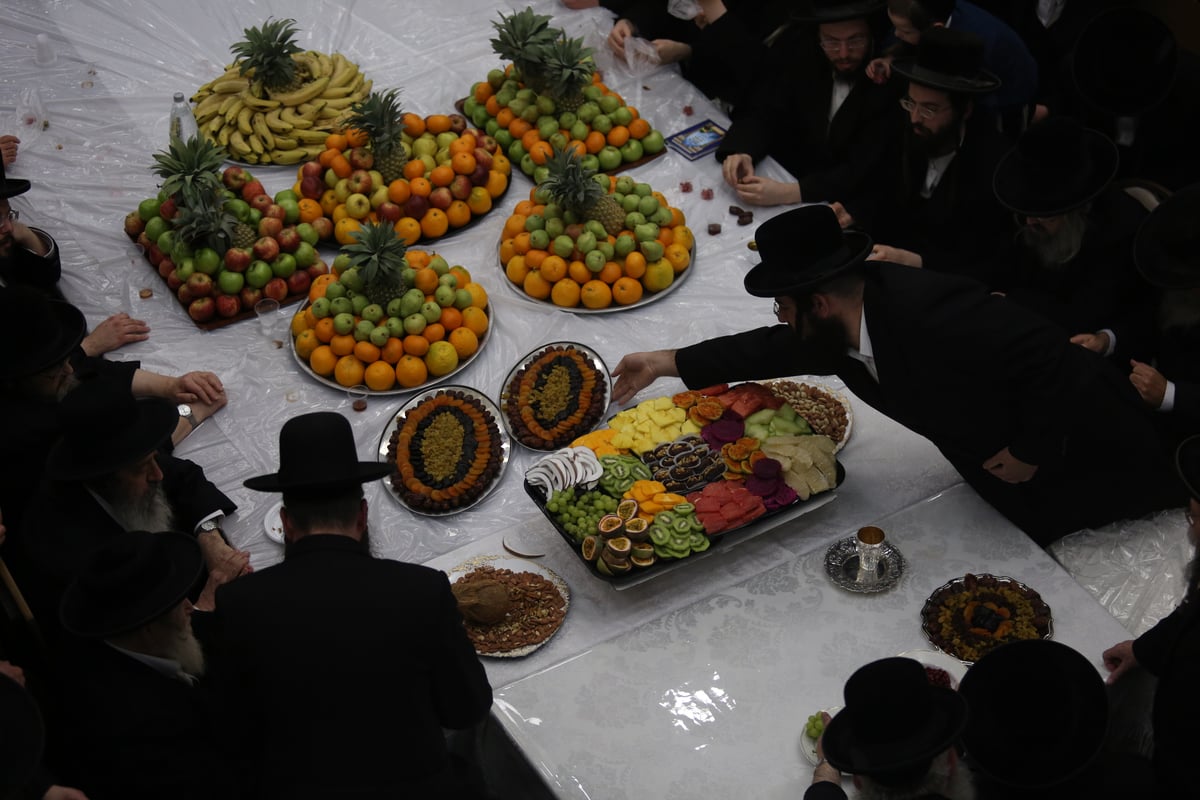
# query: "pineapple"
{"points": [[576, 190], [190, 169], [520, 39], [567, 69], [378, 257], [379, 117], [206, 224], [267, 51]]}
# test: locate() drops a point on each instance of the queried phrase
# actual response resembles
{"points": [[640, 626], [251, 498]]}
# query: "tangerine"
{"points": [[659, 275], [322, 360], [610, 272], [348, 371], [434, 332], [356, 137], [324, 329], [497, 182], [414, 169], [420, 186], [626, 291], [408, 229], [414, 126], [310, 209], [367, 352], [416, 345], [441, 359], [434, 223], [463, 163], [553, 268], [380, 376], [336, 141], [300, 323], [393, 350], [479, 296], [426, 279], [458, 214], [418, 258], [514, 225], [437, 123], [464, 341], [638, 128], [565, 293], [306, 343], [618, 135], [579, 272], [319, 284], [635, 265], [461, 275], [451, 318], [342, 344], [515, 270], [535, 285], [596, 294], [411, 371], [541, 152], [678, 256], [479, 201], [441, 175], [340, 166], [399, 191], [344, 230], [476, 319]]}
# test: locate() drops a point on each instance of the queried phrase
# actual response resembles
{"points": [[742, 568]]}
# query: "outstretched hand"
{"points": [[1119, 659], [1149, 382], [200, 387], [636, 371], [757, 191], [116, 331], [8, 148]]}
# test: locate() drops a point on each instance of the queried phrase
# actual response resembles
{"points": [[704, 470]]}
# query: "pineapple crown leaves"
{"points": [[378, 253], [206, 223], [189, 169], [521, 36], [569, 182], [268, 52], [379, 116], [567, 66]]}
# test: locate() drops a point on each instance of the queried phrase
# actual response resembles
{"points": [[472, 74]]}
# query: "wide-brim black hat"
{"points": [[1167, 247], [1038, 713], [801, 249], [22, 736], [11, 187], [105, 428], [1187, 462], [818, 11], [950, 60], [339, 468], [49, 329], [131, 580], [1056, 166], [1124, 62], [894, 718]]}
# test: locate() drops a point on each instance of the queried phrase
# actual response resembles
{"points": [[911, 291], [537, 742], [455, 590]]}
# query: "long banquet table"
{"points": [[691, 682]]}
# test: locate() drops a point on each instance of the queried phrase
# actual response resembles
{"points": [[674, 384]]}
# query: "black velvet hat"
{"points": [[1187, 462], [1038, 714], [131, 580], [950, 60], [49, 331], [11, 187], [105, 428], [1124, 62], [1057, 165], [1167, 247], [819, 11], [22, 736], [801, 249], [339, 467], [894, 719]]}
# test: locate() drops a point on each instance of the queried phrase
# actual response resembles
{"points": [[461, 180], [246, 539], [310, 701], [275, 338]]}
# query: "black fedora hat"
{"points": [[51, 329], [1187, 462], [950, 60], [22, 736], [11, 187], [1038, 714], [340, 467], [1167, 247], [105, 428], [801, 249], [130, 580], [894, 719], [1124, 62], [819, 11], [1057, 165]]}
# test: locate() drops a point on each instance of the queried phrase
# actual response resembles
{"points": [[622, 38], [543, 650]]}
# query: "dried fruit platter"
{"points": [[538, 600], [449, 450], [555, 394], [972, 615]]}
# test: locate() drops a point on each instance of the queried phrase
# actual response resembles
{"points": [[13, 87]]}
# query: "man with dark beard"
{"points": [[339, 671], [934, 207], [107, 475], [1028, 419], [818, 114], [136, 723], [1072, 255]]}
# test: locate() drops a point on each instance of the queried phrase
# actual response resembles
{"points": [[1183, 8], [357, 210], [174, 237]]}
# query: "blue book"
{"points": [[699, 140]]}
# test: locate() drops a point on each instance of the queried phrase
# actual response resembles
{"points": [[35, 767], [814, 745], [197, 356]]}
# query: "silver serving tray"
{"points": [[841, 562], [526, 360]]}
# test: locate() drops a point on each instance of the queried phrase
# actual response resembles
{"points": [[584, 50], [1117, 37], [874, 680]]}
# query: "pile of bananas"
{"points": [[260, 127]]}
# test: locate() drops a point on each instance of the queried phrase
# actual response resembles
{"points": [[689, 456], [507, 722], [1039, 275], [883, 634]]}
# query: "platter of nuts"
{"points": [[510, 606]]}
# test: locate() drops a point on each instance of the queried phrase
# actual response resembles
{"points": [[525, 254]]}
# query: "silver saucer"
{"points": [[841, 562]]}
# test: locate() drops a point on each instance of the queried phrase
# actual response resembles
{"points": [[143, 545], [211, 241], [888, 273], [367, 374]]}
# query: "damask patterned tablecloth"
{"points": [[710, 698]]}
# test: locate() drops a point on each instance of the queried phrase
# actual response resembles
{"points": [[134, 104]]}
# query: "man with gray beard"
{"points": [[1071, 258], [138, 724]]}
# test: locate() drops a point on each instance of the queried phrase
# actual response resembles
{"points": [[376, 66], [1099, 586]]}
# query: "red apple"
{"points": [[143, 241], [316, 269], [415, 206], [360, 182], [483, 158], [235, 178], [134, 224], [270, 226], [361, 158], [299, 281], [250, 296], [441, 198], [277, 211], [174, 282], [202, 309], [487, 142], [312, 187], [460, 187], [228, 305], [166, 267], [266, 249], [237, 259], [184, 294], [480, 176], [323, 226], [155, 255], [389, 212], [168, 209], [458, 123], [312, 169], [261, 202], [276, 289], [200, 285], [252, 189], [288, 239]]}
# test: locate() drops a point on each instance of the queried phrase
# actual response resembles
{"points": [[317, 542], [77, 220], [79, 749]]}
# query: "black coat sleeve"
{"points": [[761, 353], [193, 496]]}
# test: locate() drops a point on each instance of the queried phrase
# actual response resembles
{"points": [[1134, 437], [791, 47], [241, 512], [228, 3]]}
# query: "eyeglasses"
{"points": [[910, 105], [778, 309], [852, 44], [11, 216], [1188, 515]]}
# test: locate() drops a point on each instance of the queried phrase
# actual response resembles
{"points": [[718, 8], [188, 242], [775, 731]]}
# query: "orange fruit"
{"points": [[521, 243], [451, 318], [665, 236], [355, 137], [345, 228], [366, 352], [659, 275], [492, 105], [461, 274], [464, 341], [441, 359], [501, 164], [479, 296], [441, 175], [434, 223], [322, 360], [530, 138], [393, 350], [458, 214], [482, 91], [497, 182], [635, 265], [319, 285], [595, 142], [523, 208], [380, 376], [553, 268], [505, 117], [518, 127], [414, 169], [310, 209], [463, 163], [479, 201], [434, 332], [565, 293], [416, 345], [418, 259], [678, 219], [610, 273], [411, 371], [638, 128], [596, 294], [476, 319], [326, 157], [324, 329], [437, 123], [408, 229], [310, 319], [426, 279], [579, 147], [514, 225], [507, 251], [340, 166], [465, 143], [399, 191], [414, 126], [684, 237], [535, 285], [626, 291], [336, 141], [578, 272], [420, 186], [540, 152], [306, 343], [300, 323], [535, 258], [348, 371], [678, 256], [328, 202], [618, 135], [342, 344]]}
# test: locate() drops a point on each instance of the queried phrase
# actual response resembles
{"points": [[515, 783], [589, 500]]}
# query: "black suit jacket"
{"points": [[339, 672], [29, 269], [975, 374]]}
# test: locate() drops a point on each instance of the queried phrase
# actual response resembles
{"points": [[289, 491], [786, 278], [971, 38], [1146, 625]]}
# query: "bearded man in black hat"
{"points": [[339, 669], [1072, 254], [137, 724], [1170, 651], [934, 207], [1027, 418], [818, 114], [896, 735]]}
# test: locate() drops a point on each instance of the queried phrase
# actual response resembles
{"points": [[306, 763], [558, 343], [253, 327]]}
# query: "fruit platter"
{"points": [[390, 318], [448, 449], [554, 395], [674, 476], [276, 103], [510, 607], [550, 97], [970, 616], [594, 243]]}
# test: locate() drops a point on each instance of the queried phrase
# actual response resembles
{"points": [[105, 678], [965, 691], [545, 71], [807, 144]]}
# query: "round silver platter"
{"points": [[841, 562]]}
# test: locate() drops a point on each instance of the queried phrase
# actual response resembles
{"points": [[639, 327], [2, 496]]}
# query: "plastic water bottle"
{"points": [[183, 121]]}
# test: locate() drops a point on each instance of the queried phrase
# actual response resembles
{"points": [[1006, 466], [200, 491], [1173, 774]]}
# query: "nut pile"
{"points": [[537, 611], [824, 413]]}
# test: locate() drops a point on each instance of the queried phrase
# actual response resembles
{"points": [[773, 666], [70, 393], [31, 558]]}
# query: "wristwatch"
{"points": [[185, 411], [210, 525]]}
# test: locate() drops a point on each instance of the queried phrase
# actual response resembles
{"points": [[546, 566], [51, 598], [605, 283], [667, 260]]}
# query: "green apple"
{"points": [[540, 172], [462, 298], [653, 142], [590, 162], [351, 279], [363, 330], [527, 164], [284, 265], [156, 227], [305, 255], [335, 290], [408, 275], [395, 327], [495, 77], [595, 260], [308, 233], [621, 115], [320, 307], [535, 222], [662, 216], [286, 194], [480, 116], [579, 130], [542, 195], [609, 103], [516, 151], [540, 239], [609, 157], [547, 127], [557, 140], [380, 335], [631, 151], [253, 217], [643, 189], [185, 268], [554, 228], [630, 202], [492, 128], [563, 246], [343, 324], [415, 323], [567, 119], [231, 282], [207, 261], [359, 302], [180, 250], [237, 207], [530, 114], [448, 280], [645, 233], [586, 242], [444, 296], [503, 138], [587, 112], [340, 305], [647, 205], [431, 311], [552, 210], [148, 208], [259, 273], [602, 123], [372, 312]]}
